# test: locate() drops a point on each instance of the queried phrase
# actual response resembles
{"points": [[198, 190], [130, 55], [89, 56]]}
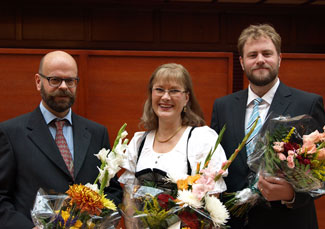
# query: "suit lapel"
{"points": [[281, 100], [81, 141], [40, 135], [239, 120]]}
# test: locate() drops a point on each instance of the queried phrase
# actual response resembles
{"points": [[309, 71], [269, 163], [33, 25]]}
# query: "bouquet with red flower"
{"points": [[191, 203], [84, 206], [148, 207], [291, 148]]}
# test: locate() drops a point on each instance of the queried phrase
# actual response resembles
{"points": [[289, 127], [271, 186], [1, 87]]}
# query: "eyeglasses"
{"points": [[171, 92], [57, 81]]}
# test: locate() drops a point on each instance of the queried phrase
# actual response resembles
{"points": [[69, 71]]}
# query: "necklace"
{"points": [[173, 135]]}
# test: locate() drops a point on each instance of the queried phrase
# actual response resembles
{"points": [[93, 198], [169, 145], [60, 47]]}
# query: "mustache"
{"points": [[261, 67], [62, 93]]}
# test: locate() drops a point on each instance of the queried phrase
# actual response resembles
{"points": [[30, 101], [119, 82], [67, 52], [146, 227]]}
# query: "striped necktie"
{"points": [[63, 146], [250, 143]]}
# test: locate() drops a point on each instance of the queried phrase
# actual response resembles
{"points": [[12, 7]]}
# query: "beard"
{"points": [[262, 80], [61, 105]]}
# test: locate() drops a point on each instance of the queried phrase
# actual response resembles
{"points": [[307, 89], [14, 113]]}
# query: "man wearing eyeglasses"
{"points": [[31, 154]]}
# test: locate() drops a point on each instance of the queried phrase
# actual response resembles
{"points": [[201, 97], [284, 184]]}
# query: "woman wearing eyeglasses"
{"points": [[176, 138]]}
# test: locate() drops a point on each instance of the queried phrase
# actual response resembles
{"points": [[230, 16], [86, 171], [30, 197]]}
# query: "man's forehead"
{"points": [[264, 43]]}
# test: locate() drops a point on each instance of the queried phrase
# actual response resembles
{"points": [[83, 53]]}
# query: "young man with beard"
{"points": [[29, 156], [260, 57]]}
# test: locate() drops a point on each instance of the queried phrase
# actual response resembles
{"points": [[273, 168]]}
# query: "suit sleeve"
{"points": [[318, 113], [9, 217], [214, 118], [114, 190]]}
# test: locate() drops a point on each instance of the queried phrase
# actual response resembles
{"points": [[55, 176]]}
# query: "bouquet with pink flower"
{"points": [[291, 148], [195, 193], [193, 205], [295, 151]]}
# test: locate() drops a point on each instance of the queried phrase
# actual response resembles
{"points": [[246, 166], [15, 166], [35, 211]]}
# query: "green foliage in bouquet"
{"points": [[156, 217]]}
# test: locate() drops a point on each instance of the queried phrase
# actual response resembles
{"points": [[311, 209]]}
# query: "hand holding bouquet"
{"points": [[290, 148], [296, 154], [84, 206]]}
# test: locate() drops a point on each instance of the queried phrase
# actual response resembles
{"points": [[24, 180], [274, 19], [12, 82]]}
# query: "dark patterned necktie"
{"points": [[63, 146]]}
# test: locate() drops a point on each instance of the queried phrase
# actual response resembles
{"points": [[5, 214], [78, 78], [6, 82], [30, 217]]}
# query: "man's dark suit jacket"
{"points": [[231, 110], [30, 159]]}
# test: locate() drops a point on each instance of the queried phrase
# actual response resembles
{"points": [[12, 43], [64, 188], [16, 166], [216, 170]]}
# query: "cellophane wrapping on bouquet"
{"points": [[55, 211], [288, 147], [84, 206], [292, 148], [149, 207]]}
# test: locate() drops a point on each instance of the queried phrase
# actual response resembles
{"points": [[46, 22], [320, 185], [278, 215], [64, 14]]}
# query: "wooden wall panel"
{"points": [[112, 89], [118, 80], [17, 85], [242, 20], [310, 34], [8, 23], [190, 26], [155, 25], [52, 24], [122, 25]]}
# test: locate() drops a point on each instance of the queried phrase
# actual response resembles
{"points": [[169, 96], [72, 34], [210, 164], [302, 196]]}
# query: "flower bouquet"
{"points": [[84, 206], [289, 148], [148, 207], [193, 204]]}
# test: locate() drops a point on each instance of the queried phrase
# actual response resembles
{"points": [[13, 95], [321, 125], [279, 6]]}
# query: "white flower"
{"points": [[93, 187], [187, 197], [120, 148], [124, 134], [102, 174], [102, 154], [217, 210], [173, 177]]}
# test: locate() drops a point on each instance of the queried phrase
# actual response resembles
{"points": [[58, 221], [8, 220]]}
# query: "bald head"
{"points": [[61, 69], [57, 60]]}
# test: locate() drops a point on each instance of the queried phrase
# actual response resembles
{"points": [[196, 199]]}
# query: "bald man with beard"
{"points": [[29, 156]]}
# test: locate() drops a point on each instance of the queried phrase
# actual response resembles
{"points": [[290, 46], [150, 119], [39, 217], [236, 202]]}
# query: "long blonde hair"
{"points": [[193, 116]]}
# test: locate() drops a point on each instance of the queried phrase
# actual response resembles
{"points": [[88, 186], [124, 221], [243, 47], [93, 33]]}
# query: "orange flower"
{"points": [[85, 199], [182, 184], [191, 179]]}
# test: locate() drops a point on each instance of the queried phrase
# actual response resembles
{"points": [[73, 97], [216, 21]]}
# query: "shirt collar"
{"points": [[268, 97], [48, 116]]}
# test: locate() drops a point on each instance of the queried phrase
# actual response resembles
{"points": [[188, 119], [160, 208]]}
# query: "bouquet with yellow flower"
{"points": [[84, 206], [194, 204], [289, 148], [195, 193]]}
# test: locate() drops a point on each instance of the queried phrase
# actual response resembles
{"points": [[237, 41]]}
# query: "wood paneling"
{"points": [[53, 23], [190, 26], [155, 25], [122, 25], [112, 88], [8, 23]]}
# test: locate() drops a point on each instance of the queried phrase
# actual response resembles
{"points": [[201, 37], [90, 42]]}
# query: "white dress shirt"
{"points": [[264, 105]]}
